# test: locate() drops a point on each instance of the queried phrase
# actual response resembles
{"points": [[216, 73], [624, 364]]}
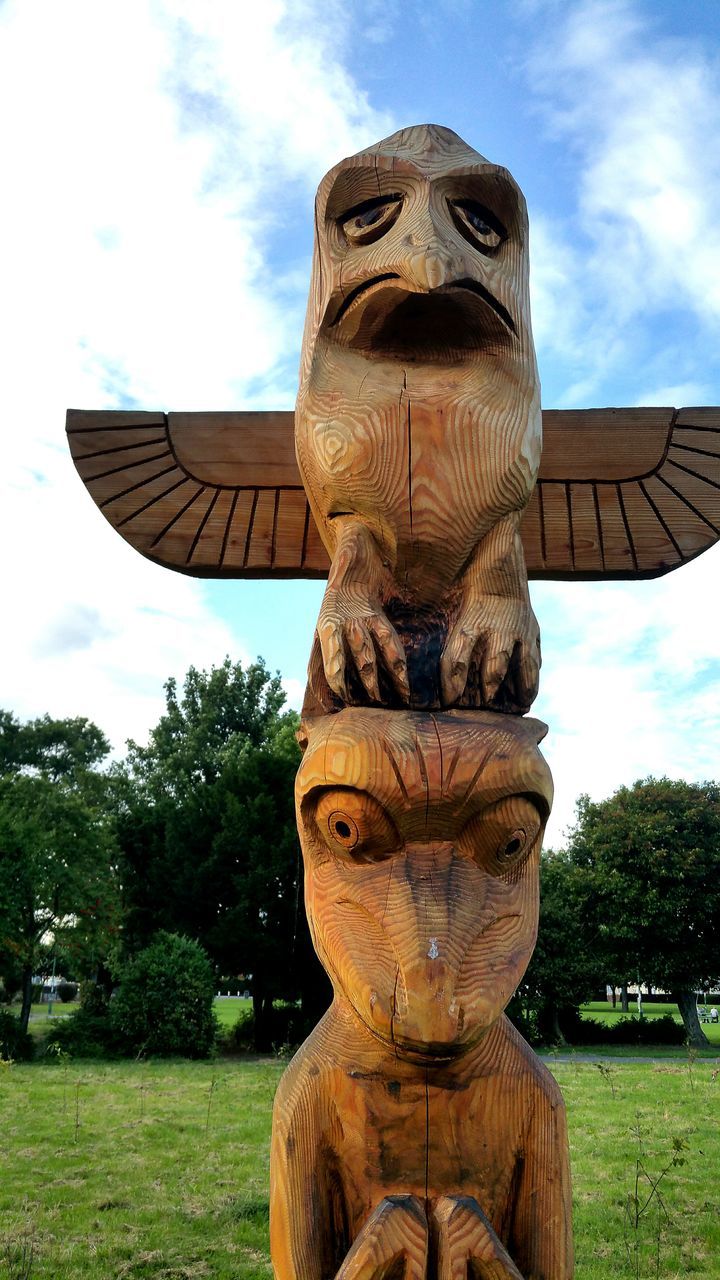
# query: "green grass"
{"points": [[229, 1008], [137, 1170], [131, 1170], [669, 1100], [41, 1021]]}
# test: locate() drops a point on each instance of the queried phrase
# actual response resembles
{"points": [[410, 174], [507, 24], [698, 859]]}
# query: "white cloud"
{"points": [[638, 115], [154, 149], [630, 683]]}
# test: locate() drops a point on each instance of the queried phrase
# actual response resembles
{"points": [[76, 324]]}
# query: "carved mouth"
{"points": [[355, 293], [475, 287], [386, 316]]}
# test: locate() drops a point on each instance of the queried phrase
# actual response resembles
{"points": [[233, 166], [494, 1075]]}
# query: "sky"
{"points": [[160, 159]]}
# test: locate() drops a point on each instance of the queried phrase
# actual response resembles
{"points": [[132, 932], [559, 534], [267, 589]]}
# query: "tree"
{"points": [[566, 967], [207, 832], [56, 843], [164, 1004], [651, 855]]}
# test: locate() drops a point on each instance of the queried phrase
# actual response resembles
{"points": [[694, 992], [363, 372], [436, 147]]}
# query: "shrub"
{"points": [[85, 1034], [67, 991], [631, 1030], [95, 998], [15, 1045], [164, 1005], [286, 1025]]}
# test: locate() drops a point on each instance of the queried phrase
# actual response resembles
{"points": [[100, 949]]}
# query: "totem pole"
{"points": [[415, 1134]]}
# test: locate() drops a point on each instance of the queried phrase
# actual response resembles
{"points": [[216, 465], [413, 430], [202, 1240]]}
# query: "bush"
{"points": [[85, 1034], [15, 1045], [285, 1025], [164, 1004], [67, 991], [632, 1030], [95, 998]]}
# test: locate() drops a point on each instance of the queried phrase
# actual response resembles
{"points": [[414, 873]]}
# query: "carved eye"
{"points": [[353, 824], [500, 838], [369, 221], [478, 225]]}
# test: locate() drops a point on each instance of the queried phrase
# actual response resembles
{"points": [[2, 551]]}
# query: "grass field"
{"points": [[130, 1170]]}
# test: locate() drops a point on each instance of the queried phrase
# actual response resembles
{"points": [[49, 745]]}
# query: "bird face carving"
{"points": [[421, 839], [418, 428], [421, 253]]}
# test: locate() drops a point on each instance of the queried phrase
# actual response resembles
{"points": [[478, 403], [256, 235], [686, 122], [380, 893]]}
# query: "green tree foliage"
{"points": [[208, 838], [651, 857], [56, 844], [566, 968], [164, 1005]]}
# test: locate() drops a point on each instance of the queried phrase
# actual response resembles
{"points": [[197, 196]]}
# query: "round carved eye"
{"points": [[514, 847], [478, 225], [353, 824], [343, 828], [369, 221], [502, 835]]}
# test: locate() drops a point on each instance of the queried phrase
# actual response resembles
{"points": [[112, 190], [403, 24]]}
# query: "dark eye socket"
{"points": [[512, 847], [478, 224], [370, 220], [367, 218], [353, 824], [500, 837]]}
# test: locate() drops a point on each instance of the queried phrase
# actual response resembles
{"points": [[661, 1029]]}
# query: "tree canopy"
{"points": [[651, 856], [56, 844], [206, 827], [567, 966]]}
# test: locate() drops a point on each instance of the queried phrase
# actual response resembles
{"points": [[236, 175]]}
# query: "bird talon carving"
{"points": [[408, 353]]}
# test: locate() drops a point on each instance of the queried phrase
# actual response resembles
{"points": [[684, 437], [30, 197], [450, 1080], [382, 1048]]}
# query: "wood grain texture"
{"points": [[417, 424], [421, 839], [586, 451], [210, 494]]}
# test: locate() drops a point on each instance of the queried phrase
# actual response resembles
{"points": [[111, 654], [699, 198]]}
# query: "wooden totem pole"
{"points": [[415, 1133]]}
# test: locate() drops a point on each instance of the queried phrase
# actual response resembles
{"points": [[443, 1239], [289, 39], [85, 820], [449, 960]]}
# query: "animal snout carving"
{"points": [[421, 879]]}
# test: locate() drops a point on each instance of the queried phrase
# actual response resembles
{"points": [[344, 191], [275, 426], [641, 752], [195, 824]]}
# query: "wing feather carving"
{"points": [[622, 493]]}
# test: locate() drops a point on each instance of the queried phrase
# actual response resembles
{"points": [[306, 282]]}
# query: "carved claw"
{"points": [[506, 632], [352, 623], [396, 1233], [467, 1245], [348, 626]]}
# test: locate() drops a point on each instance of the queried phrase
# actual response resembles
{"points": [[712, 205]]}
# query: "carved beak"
{"points": [[450, 982]]}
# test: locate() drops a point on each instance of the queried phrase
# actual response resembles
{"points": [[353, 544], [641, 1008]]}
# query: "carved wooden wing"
{"points": [[622, 493]]}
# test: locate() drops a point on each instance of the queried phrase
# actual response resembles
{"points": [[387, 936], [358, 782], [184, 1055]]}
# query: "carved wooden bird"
{"points": [[418, 425]]}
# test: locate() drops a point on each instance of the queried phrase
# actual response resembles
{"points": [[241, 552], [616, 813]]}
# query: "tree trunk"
{"points": [[687, 1005], [624, 998], [257, 1001], [558, 1037], [26, 999]]}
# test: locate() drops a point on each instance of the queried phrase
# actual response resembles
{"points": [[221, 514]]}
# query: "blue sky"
{"points": [[163, 159]]}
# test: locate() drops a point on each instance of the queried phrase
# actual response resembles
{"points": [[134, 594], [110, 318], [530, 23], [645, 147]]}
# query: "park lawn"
{"points": [[130, 1170], [228, 1009], [41, 1022]]}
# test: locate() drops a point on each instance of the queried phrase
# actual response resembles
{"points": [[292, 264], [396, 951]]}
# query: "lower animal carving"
{"points": [[415, 1133]]}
